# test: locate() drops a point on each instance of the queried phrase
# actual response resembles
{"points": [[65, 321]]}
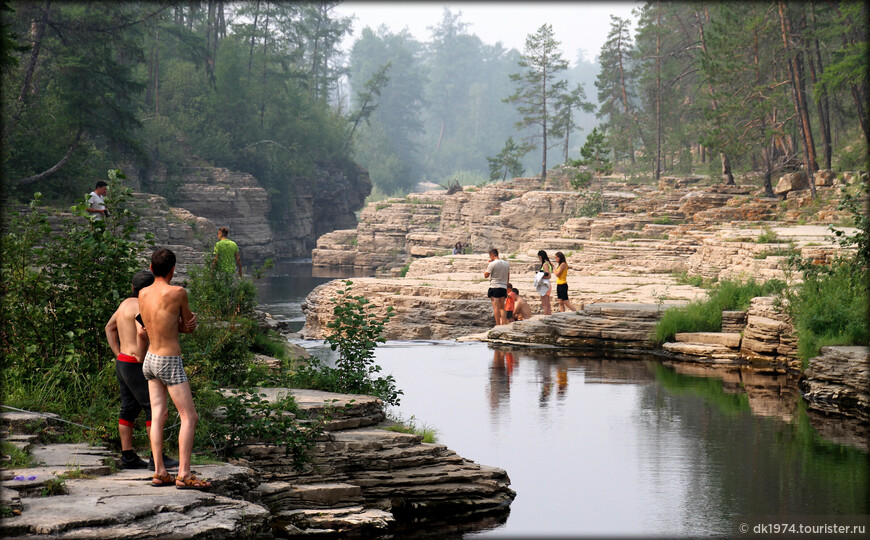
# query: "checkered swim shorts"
{"points": [[167, 369]]}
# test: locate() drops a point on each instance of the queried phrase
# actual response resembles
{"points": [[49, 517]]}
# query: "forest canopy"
{"points": [[716, 88]]}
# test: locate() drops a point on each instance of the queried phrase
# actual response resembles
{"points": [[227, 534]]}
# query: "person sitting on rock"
{"points": [[522, 311]]}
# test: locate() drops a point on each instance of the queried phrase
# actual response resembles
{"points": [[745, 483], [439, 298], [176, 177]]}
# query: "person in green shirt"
{"points": [[225, 251]]}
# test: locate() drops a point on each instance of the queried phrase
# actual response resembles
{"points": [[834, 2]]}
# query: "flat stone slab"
{"points": [[726, 339], [18, 420], [71, 456], [352, 519], [125, 505], [702, 350]]}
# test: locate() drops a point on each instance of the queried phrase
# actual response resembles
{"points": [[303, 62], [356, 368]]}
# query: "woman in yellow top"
{"points": [[562, 282]]}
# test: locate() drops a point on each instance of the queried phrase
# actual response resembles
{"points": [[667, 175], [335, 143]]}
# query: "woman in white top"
{"points": [[542, 285]]}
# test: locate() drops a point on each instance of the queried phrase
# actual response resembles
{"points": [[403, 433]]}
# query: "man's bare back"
{"points": [[165, 312], [522, 311], [122, 330]]}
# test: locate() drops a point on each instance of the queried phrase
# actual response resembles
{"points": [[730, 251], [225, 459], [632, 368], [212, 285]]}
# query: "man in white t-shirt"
{"points": [[499, 274], [96, 203]]}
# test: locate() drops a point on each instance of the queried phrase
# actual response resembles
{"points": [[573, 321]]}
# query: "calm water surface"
{"points": [[599, 447], [621, 447]]}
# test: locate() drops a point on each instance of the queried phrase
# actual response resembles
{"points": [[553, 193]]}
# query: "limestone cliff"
{"points": [[262, 225]]}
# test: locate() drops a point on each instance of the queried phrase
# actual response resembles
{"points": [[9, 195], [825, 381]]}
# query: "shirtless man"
{"points": [[166, 312], [522, 311], [129, 342]]}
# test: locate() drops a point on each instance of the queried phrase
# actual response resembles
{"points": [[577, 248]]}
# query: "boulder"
{"points": [[796, 181], [824, 178]]}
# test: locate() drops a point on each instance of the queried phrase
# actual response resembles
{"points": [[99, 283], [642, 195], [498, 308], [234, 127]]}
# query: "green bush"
{"points": [[356, 331], [251, 419], [59, 289], [706, 315], [829, 307]]}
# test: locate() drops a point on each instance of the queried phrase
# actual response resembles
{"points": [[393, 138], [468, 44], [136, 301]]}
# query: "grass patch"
{"points": [[410, 426], [683, 278], [53, 487], [769, 237], [706, 315], [830, 308], [781, 252], [76, 474], [18, 458]]}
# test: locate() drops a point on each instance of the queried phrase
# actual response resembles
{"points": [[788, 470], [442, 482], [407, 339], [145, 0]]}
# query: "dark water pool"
{"points": [[614, 447]]}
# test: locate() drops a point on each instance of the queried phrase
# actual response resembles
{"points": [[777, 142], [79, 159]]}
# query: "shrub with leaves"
{"points": [[59, 286], [830, 305], [250, 418], [356, 332]]}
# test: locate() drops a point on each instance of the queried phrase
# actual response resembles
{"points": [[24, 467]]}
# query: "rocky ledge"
{"points": [[838, 381], [362, 480]]}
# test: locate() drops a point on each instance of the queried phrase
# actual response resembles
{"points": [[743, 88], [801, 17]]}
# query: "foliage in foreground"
{"points": [[356, 331], [59, 288], [830, 305], [706, 315]]}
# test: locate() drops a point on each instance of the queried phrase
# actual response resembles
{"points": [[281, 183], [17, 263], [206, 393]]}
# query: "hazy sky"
{"points": [[577, 25]]}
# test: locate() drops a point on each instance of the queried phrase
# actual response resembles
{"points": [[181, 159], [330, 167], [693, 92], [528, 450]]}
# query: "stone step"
{"points": [[726, 339], [702, 350], [22, 441], [349, 521], [25, 422], [290, 496]]}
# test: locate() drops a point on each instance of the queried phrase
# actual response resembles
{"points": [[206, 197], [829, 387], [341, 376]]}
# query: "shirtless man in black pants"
{"points": [[129, 343]]}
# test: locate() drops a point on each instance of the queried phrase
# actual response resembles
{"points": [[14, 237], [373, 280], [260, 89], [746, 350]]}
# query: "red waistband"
{"points": [[127, 358]]}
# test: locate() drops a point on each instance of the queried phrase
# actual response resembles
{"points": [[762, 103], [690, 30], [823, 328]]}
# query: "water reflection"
{"points": [[635, 447]]}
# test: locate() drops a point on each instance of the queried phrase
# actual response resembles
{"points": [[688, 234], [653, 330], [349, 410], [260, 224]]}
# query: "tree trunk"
{"points": [[727, 175], [57, 166], [157, 71], [625, 103], [263, 98], [37, 32], [544, 103], [658, 173], [824, 115], [801, 112], [253, 35]]}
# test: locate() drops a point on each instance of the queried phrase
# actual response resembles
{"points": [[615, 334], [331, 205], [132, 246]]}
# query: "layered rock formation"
{"points": [[838, 381], [524, 215], [363, 480], [321, 203]]}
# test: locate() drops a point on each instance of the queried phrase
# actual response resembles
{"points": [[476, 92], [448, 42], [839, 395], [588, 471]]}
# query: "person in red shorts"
{"points": [[129, 343]]}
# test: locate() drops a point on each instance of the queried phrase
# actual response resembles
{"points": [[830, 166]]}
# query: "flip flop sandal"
{"points": [[165, 480], [191, 482]]}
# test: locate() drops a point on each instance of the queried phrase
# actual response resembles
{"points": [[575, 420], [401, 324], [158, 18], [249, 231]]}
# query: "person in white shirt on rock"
{"points": [[499, 273]]}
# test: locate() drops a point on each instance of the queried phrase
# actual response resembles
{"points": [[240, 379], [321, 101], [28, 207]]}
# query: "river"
{"points": [[615, 447]]}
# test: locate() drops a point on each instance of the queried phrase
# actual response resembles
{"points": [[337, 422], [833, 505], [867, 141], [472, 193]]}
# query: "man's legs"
{"points": [[159, 412], [495, 310], [183, 400], [498, 311]]}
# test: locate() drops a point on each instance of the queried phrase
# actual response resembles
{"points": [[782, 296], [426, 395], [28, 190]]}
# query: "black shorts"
{"points": [[509, 314], [496, 292], [134, 392], [562, 291]]}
